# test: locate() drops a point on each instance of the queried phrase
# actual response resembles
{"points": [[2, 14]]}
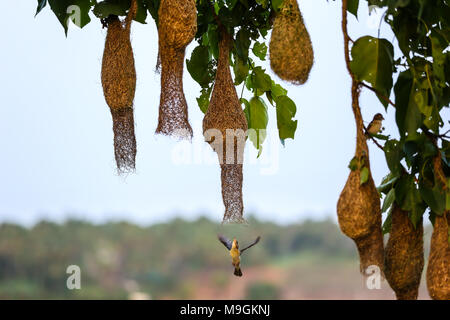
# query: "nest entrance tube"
{"points": [[177, 28], [124, 139], [119, 86], [231, 177], [173, 112], [225, 128]]}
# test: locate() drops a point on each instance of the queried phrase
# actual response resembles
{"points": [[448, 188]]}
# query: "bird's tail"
{"points": [[238, 272]]}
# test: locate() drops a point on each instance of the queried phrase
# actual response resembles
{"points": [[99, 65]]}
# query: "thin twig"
{"points": [[444, 135], [435, 136], [378, 93], [373, 139]]}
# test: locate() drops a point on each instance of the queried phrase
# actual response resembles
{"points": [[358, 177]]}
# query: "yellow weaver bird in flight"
{"points": [[233, 247]]}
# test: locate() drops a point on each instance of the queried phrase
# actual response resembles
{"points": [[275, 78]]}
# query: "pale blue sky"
{"points": [[56, 137]]}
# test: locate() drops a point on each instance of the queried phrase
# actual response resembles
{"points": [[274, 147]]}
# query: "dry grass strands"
{"points": [[290, 49], [404, 256], [119, 86], [438, 270], [225, 127], [358, 208], [176, 29]]}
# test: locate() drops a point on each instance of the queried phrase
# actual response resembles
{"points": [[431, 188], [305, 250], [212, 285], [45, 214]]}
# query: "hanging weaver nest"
{"points": [[290, 49], [358, 208], [176, 29], [119, 85], [225, 127], [438, 270], [404, 255]]}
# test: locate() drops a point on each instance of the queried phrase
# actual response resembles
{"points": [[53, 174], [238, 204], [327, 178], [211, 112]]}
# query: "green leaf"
{"points": [[387, 183], [245, 103], [352, 7], [277, 90], [269, 97], [380, 136], [152, 7], [40, 6], [213, 40], [286, 110], [260, 50], [387, 223], [67, 10], [141, 13], [388, 200], [394, 154], [410, 149], [203, 100], [372, 61], [261, 80], [409, 199], [407, 112], [363, 175], [434, 197], [276, 4], [240, 69], [242, 44], [106, 8], [262, 2], [198, 66], [354, 164], [438, 46], [257, 119]]}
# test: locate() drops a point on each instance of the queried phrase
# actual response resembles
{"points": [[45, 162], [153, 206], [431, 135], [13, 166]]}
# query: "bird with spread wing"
{"points": [[235, 253]]}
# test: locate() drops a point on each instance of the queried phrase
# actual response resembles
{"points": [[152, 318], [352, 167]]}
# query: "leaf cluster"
{"points": [[418, 161]]}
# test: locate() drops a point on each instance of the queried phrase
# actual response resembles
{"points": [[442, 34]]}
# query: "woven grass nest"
{"points": [[225, 127], [438, 270], [403, 255], [290, 48], [119, 86], [176, 29], [358, 208]]}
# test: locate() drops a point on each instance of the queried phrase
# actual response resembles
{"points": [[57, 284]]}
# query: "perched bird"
{"points": [[375, 125], [235, 254]]}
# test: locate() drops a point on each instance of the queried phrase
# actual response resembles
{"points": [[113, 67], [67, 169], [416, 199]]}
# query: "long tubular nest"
{"points": [[176, 29], [226, 119], [119, 86]]}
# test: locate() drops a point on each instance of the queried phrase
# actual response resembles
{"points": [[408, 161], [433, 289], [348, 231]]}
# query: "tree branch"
{"points": [[373, 139], [360, 137], [346, 39], [378, 93], [444, 135]]}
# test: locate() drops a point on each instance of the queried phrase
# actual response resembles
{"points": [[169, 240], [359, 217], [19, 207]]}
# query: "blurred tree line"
{"points": [[118, 259]]}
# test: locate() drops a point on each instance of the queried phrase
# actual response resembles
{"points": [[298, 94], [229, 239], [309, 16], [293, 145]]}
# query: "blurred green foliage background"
{"points": [[183, 260]]}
